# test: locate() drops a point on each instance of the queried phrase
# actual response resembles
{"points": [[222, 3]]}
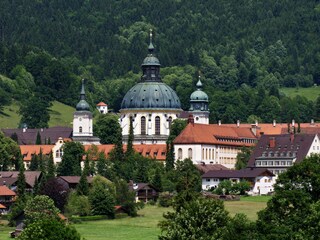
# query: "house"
{"points": [[203, 168], [102, 107], [261, 179], [26, 136], [212, 144], [10, 179], [279, 152], [144, 191], [72, 181], [7, 198]]}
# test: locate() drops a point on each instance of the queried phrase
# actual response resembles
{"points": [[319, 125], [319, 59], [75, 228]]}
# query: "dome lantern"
{"points": [[82, 104]]}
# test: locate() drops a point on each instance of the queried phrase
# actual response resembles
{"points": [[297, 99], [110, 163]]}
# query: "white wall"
{"points": [[264, 184], [84, 121], [150, 117]]}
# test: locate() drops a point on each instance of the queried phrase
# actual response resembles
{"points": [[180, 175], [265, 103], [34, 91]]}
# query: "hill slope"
{"points": [[60, 115]]}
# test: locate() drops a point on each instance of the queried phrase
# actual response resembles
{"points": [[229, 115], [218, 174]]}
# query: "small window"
{"points": [[180, 153], [208, 179], [80, 129]]}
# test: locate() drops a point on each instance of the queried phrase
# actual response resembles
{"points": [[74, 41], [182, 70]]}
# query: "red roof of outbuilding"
{"points": [[5, 191], [102, 104]]}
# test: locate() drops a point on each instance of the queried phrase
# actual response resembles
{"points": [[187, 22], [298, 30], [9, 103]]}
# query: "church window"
{"points": [[180, 153], [170, 121], [143, 125], [190, 153], [157, 125], [80, 129]]}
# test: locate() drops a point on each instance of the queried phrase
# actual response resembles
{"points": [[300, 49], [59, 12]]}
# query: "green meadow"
{"points": [[310, 93], [60, 115], [145, 226]]}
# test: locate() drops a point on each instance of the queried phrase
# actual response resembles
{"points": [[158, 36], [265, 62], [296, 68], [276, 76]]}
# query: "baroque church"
{"points": [[151, 105]]}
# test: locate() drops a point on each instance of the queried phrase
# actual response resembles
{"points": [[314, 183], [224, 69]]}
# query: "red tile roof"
{"points": [[214, 134], [5, 191], [2, 207], [28, 150], [101, 104], [156, 151]]}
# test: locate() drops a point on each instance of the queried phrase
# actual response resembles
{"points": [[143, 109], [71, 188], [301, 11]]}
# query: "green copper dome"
{"points": [[82, 104], [199, 95], [151, 92], [155, 95]]}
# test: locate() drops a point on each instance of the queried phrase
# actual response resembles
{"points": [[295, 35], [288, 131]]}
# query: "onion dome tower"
{"points": [[150, 104], [82, 121], [199, 102]]}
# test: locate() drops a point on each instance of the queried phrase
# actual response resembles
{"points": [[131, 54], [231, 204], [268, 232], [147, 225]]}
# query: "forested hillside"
{"points": [[245, 50]]}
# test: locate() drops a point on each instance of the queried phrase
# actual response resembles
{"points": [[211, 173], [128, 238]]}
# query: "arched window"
{"points": [[143, 125], [180, 153], [206, 153], [190, 153], [157, 125], [209, 153], [170, 121], [80, 129]]}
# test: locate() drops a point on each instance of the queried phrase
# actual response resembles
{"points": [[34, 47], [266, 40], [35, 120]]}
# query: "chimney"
{"points": [[291, 137], [257, 123], [238, 123], [254, 129], [4, 183], [191, 119], [293, 123], [312, 121], [274, 123], [219, 122], [272, 142]]}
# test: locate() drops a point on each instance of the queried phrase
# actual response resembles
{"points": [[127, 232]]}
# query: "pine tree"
{"points": [[14, 137], [36, 187], [38, 140], [21, 184], [51, 170], [101, 165], [83, 186], [130, 150], [41, 162], [34, 164], [170, 156], [156, 181]]}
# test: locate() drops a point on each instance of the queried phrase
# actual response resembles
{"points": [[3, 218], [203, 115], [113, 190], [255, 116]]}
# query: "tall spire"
{"points": [[82, 93], [82, 104], [151, 65], [151, 47], [199, 83]]}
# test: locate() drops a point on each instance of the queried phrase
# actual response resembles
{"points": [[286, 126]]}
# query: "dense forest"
{"points": [[245, 51]]}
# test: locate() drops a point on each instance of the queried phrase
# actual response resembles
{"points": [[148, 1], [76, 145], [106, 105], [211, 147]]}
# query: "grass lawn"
{"points": [[140, 228], [145, 226], [310, 93], [5, 230]]}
